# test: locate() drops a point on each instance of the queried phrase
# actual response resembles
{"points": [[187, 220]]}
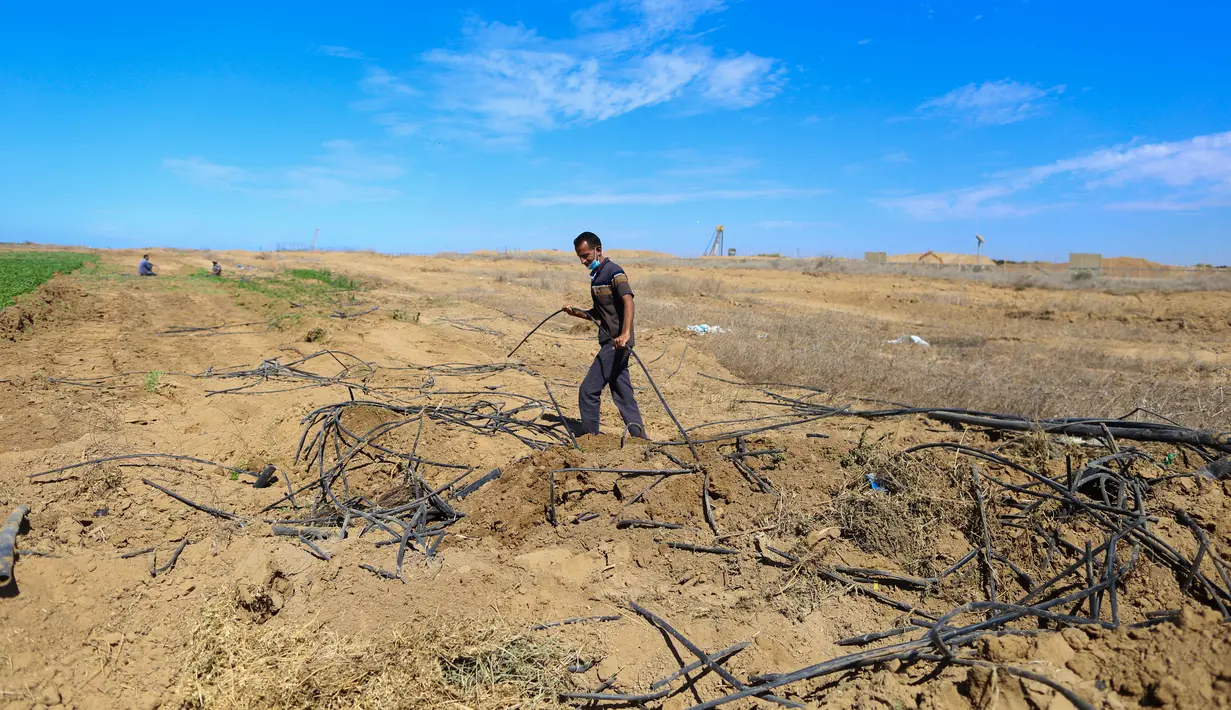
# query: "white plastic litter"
{"points": [[912, 338], [706, 328]]}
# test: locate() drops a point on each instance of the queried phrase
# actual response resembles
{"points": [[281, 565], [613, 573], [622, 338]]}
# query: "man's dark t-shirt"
{"points": [[608, 286]]}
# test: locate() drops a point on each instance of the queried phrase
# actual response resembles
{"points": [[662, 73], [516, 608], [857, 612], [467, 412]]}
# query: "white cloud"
{"points": [[993, 103], [743, 81], [342, 52], [626, 55], [343, 173], [958, 204], [1182, 175], [397, 124], [702, 166], [380, 81], [665, 198], [790, 224], [864, 41], [897, 157], [203, 172]]}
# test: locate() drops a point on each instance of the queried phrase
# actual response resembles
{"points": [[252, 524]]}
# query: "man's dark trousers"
{"points": [[609, 369]]}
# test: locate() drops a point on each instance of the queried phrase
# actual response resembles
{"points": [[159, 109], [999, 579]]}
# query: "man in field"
{"points": [[612, 308], [145, 268], [216, 269]]}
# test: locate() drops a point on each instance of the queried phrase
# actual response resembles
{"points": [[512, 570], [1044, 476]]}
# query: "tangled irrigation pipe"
{"points": [[1106, 493]]}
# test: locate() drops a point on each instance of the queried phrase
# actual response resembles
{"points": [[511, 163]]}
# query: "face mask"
{"points": [[594, 265]]}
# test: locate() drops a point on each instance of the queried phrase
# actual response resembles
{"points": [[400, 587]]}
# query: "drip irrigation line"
{"points": [[342, 314], [576, 620], [216, 512], [171, 562], [705, 659], [532, 332], [126, 457]]}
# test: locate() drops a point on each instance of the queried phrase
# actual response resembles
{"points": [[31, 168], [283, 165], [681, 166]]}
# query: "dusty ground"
{"points": [[86, 628]]}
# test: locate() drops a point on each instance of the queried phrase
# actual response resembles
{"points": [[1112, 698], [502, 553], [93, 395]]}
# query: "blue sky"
{"points": [[828, 128]]}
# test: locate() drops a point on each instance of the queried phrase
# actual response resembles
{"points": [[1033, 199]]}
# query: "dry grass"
{"points": [[849, 355], [903, 518], [675, 286], [232, 664], [1015, 276], [99, 481], [997, 363]]}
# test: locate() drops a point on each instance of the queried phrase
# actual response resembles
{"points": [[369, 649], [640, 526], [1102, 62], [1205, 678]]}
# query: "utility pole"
{"points": [[318, 231]]}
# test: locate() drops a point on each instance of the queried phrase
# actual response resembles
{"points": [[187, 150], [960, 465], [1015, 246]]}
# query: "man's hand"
{"points": [[621, 340], [576, 312]]}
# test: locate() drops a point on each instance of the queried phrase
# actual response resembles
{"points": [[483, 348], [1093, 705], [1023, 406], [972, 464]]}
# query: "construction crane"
{"points": [[715, 245]]}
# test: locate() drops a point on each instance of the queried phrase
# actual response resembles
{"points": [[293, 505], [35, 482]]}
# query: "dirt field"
{"points": [[101, 363]]}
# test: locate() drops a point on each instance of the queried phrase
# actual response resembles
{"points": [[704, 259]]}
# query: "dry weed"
{"points": [[232, 664], [99, 482], [802, 591], [895, 505], [850, 355], [661, 285]]}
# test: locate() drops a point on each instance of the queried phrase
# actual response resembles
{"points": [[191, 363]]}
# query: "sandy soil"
{"points": [[84, 627]]}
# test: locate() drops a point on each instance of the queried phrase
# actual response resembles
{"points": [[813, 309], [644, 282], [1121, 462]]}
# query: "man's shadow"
{"points": [[573, 426]]}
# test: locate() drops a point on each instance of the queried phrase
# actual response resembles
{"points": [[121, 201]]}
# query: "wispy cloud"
{"points": [[379, 81], [206, 173], [985, 201], [897, 157], [993, 103], [666, 198], [743, 81], [621, 56], [790, 224], [703, 166], [864, 41], [333, 50], [1182, 175], [344, 172]]}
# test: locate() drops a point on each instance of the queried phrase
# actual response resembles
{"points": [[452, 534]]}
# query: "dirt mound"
{"points": [[1130, 262], [60, 299], [941, 258]]}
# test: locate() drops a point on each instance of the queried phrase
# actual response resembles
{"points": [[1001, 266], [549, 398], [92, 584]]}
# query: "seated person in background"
{"points": [[145, 268], [216, 269]]}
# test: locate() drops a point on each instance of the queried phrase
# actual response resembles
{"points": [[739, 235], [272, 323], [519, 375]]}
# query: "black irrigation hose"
{"points": [[716, 657], [706, 659], [216, 512], [560, 413], [125, 457], [171, 562], [532, 331], [637, 523], [1142, 431], [667, 407], [689, 547], [341, 314], [576, 620]]}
